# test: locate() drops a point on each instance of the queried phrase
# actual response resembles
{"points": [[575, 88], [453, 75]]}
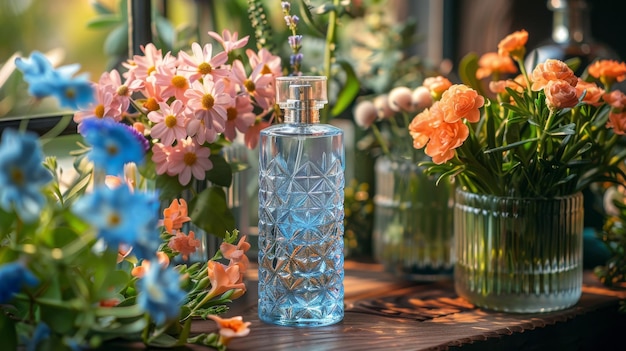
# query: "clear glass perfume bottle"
{"points": [[301, 193]]}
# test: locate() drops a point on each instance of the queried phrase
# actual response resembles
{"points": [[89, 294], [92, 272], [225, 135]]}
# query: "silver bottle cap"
{"points": [[301, 97]]}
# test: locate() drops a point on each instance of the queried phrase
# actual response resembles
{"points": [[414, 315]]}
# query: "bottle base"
{"points": [[302, 323]]}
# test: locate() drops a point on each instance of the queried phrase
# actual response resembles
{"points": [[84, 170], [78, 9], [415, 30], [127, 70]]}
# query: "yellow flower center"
{"points": [[231, 113], [114, 219], [170, 121], [208, 101], [17, 176], [112, 150], [99, 111], [122, 90], [70, 93], [179, 82], [151, 69], [205, 68], [190, 158], [250, 87]]}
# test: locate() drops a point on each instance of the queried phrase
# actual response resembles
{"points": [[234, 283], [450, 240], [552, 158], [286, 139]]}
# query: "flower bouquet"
{"points": [[92, 260], [521, 154]]}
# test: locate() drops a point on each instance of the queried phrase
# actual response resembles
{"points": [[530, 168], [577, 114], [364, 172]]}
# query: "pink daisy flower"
{"points": [[257, 85], [240, 117], [189, 158], [202, 63], [142, 67], [160, 156], [271, 63], [170, 122], [123, 91], [229, 41], [104, 106], [172, 82], [207, 103]]}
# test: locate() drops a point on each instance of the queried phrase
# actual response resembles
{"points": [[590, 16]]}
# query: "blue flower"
{"points": [[22, 174], [121, 216], [43, 80], [160, 294], [13, 276], [113, 144]]}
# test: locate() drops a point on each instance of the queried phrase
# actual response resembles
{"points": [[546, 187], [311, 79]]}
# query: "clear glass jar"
{"points": [[412, 221], [519, 255]]}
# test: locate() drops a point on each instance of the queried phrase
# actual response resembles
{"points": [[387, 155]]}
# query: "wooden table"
{"points": [[388, 314]]}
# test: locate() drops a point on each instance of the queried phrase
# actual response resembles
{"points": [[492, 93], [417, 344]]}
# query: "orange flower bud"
{"points": [[608, 71], [514, 44], [493, 64]]}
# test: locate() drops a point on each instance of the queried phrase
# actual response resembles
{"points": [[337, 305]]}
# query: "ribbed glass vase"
{"points": [[412, 221], [520, 255]]}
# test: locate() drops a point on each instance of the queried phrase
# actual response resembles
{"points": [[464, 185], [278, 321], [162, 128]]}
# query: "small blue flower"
{"points": [[13, 276], [160, 294], [113, 144], [120, 216], [73, 93], [22, 174], [43, 80], [148, 238]]}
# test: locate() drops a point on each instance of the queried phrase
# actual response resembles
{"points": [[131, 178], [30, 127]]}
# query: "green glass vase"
{"points": [[412, 221], [521, 255]]}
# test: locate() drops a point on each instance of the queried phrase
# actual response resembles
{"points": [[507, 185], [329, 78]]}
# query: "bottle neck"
{"points": [[571, 23]]}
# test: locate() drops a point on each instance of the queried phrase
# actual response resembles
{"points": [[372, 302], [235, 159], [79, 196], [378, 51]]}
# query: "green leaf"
{"points": [[104, 21], [100, 8], [467, 72], [350, 90], [8, 335], [511, 145], [116, 43], [169, 187], [209, 211], [164, 340], [165, 32], [221, 174], [307, 16]]}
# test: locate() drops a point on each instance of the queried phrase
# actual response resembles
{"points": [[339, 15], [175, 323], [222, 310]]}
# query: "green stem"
{"points": [[381, 140], [329, 51]]}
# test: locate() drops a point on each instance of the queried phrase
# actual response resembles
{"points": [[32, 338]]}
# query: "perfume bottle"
{"points": [[301, 194], [571, 37]]}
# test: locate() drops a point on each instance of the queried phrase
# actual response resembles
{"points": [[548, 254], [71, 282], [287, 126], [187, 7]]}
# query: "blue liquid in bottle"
{"points": [[301, 191]]}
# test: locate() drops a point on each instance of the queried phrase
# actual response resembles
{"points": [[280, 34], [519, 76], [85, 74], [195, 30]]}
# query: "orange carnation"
{"points": [[617, 121], [608, 71], [552, 70], [437, 85], [560, 95], [461, 101], [593, 93], [616, 99], [184, 244], [446, 138], [424, 125], [514, 44], [493, 64]]}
